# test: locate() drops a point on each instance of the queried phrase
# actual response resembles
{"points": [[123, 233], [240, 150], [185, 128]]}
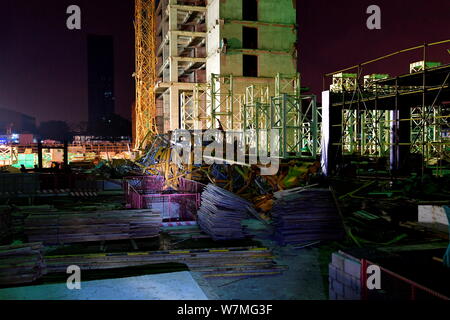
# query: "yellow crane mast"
{"points": [[145, 74]]}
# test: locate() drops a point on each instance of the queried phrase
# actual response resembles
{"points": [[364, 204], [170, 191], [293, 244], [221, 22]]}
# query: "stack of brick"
{"points": [[344, 277]]}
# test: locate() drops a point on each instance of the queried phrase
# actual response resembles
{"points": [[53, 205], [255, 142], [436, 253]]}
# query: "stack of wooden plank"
{"points": [[305, 216], [73, 227], [211, 263], [221, 213], [20, 213], [5, 221], [21, 263]]}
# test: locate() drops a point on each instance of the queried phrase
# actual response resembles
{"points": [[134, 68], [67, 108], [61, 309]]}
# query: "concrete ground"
{"points": [[302, 280], [169, 286]]}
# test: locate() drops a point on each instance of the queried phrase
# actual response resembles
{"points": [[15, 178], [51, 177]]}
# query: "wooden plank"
{"points": [[21, 263], [306, 215], [221, 213], [225, 262], [73, 227]]}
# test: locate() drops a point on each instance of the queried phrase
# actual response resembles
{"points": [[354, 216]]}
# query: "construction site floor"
{"points": [[166, 286], [303, 279]]}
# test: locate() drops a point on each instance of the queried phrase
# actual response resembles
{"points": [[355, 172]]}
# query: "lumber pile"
{"points": [[21, 263], [20, 213], [221, 213], [211, 263], [305, 216], [5, 221], [73, 227]]}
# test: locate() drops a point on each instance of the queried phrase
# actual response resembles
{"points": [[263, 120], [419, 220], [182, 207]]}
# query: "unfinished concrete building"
{"points": [[214, 57]]}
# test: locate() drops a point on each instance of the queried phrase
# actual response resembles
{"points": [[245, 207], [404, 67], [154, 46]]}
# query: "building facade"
{"points": [[101, 99], [211, 51], [16, 122]]}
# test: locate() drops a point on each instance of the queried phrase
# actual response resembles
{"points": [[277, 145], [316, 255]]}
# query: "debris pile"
{"points": [[73, 227], [221, 213], [21, 263], [306, 215]]}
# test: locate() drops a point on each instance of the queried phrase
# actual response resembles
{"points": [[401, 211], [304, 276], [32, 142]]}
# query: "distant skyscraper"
{"points": [[101, 81], [16, 122]]}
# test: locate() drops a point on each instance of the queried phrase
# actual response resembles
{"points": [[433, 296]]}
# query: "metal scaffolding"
{"points": [[8, 155], [195, 114], [296, 118], [382, 116], [293, 116], [428, 128], [225, 105], [220, 102], [256, 109]]}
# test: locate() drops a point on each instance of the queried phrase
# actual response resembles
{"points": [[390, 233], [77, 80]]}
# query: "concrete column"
{"points": [[331, 135], [174, 108], [325, 131], [335, 146], [173, 45], [173, 70]]}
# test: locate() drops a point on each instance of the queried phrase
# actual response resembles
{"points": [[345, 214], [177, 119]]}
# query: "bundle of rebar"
{"points": [[221, 213], [305, 216], [21, 263], [73, 227], [211, 263]]}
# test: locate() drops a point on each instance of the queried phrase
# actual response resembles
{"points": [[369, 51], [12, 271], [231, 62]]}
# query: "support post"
{"points": [[39, 154], [331, 135]]}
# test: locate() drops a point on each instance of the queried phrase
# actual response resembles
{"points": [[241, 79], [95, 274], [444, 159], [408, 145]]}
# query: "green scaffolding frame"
{"points": [[271, 104]]}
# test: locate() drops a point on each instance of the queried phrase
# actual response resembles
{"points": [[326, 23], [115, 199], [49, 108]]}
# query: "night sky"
{"points": [[333, 35], [43, 69], [43, 65]]}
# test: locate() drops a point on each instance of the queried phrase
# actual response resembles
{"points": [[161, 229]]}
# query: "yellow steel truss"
{"points": [[145, 75]]}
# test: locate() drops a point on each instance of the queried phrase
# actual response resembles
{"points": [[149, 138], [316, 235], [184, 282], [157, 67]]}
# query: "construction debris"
{"points": [[284, 193], [21, 263], [212, 263], [305, 216], [221, 213], [72, 227]]}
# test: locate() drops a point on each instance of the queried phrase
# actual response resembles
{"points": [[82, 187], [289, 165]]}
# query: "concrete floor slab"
{"points": [[168, 286], [301, 281]]}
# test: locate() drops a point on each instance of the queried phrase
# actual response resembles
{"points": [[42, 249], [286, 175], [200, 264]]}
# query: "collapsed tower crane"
{"points": [[145, 74]]}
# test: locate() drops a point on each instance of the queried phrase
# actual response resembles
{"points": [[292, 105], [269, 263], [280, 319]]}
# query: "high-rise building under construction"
{"points": [[209, 52]]}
